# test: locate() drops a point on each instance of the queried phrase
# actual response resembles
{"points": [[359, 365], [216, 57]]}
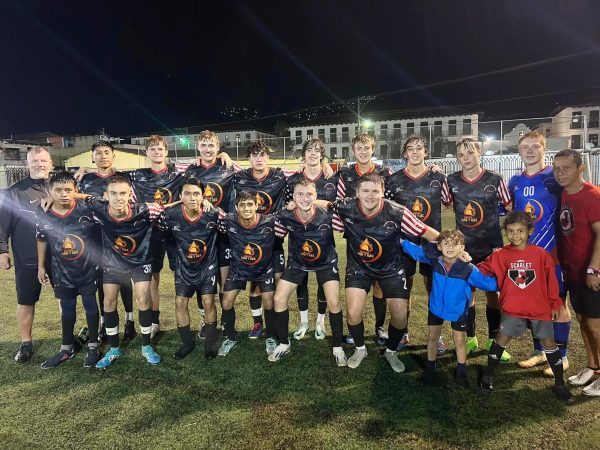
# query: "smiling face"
{"points": [[518, 234], [118, 196], [157, 153], [246, 209], [450, 249], [566, 171], [369, 195], [313, 155], [39, 164], [103, 157], [415, 153], [363, 152], [304, 196], [208, 150], [531, 151]]}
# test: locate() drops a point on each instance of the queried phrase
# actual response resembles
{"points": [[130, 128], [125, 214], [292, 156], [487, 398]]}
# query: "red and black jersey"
{"points": [[218, 183], [349, 176], [311, 245], [157, 187], [373, 242], [251, 248], [476, 209], [125, 242], [422, 195], [74, 253], [269, 190], [95, 183], [196, 242], [326, 187]]}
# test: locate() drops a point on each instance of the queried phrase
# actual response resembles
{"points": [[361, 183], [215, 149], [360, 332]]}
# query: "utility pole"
{"points": [[364, 100]]}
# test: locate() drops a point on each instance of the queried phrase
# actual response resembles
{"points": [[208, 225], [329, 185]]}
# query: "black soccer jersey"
{"points": [[218, 183], [95, 183], [311, 245], [269, 190], [476, 209], [157, 187], [71, 244], [251, 248], [373, 242], [422, 195], [349, 176], [326, 187]]}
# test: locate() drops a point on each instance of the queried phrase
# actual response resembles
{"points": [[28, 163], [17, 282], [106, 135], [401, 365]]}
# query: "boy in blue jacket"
{"points": [[450, 297]]}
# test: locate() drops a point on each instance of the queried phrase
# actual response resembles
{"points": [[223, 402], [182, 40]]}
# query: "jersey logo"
{"points": [[370, 250], [566, 220], [534, 209], [125, 245], [311, 251], [252, 254], [472, 215], [213, 192], [264, 202], [196, 251], [521, 277], [421, 208], [329, 187], [162, 196], [72, 247], [435, 184]]}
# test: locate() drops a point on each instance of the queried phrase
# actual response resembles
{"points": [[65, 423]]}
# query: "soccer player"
{"points": [[536, 192], [17, 223], [423, 192], [313, 154], [528, 297], [126, 240], [373, 227], [94, 183], [195, 233], [476, 193], [363, 147], [579, 253], [252, 238], [67, 231], [311, 247]]}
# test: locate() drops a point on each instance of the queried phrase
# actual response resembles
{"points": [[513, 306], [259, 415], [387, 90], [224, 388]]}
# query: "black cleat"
{"points": [[24, 353], [486, 383], [58, 359], [184, 350], [427, 378], [563, 394], [462, 381], [129, 332], [102, 336], [91, 357]]}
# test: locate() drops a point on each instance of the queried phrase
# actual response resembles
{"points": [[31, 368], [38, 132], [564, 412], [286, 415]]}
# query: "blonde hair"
{"points": [[208, 135], [363, 138], [155, 139]]}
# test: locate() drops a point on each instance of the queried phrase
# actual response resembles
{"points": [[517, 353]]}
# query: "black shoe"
{"points": [[91, 357], [486, 383], [129, 332], [83, 336], [563, 394], [462, 381], [427, 378], [24, 353], [58, 359], [102, 336], [184, 350]]}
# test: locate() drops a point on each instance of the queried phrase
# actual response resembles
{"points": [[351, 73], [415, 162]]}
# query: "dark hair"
{"points": [[118, 179], [370, 178], [62, 177], [518, 217], [570, 153], [414, 139], [243, 196], [314, 142], [304, 182], [193, 182], [257, 147], [102, 143], [455, 236]]}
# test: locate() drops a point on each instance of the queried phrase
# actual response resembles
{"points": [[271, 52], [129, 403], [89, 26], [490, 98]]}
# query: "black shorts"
{"points": [[223, 249], [298, 276], [391, 287], [585, 301], [267, 285], [157, 250], [460, 325], [410, 267], [171, 249], [278, 261], [68, 293], [184, 289], [119, 276], [28, 285]]}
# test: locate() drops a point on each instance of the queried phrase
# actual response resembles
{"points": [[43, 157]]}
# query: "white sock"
{"points": [[129, 316], [321, 319], [257, 312], [304, 316], [362, 347]]}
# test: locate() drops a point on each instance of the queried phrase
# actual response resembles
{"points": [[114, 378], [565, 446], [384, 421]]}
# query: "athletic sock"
{"points": [[493, 316], [394, 336], [282, 321], [555, 362], [461, 369], [93, 320], [145, 318], [358, 333], [256, 307], [494, 356], [127, 298], [561, 336], [270, 323], [430, 365], [186, 334], [112, 327], [129, 316], [68, 323], [302, 297], [380, 307], [210, 337], [66, 347], [228, 320], [336, 322], [471, 322]]}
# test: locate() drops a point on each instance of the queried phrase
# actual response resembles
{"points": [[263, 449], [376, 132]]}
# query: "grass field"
{"points": [[244, 401]]}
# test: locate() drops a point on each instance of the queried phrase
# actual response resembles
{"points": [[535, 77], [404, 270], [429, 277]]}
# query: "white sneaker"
{"points": [[340, 357], [271, 343], [593, 389], [154, 331], [584, 376], [280, 351], [355, 360], [320, 331], [301, 331], [395, 363]]}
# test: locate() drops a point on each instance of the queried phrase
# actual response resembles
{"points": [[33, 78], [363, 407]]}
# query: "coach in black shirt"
{"points": [[17, 222]]}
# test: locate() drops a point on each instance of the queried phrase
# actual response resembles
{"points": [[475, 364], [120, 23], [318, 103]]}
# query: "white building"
{"points": [[579, 124]]}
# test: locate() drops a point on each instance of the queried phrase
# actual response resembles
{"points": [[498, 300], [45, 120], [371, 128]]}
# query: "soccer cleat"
{"points": [[58, 359], [462, 381], [340, 357], [102, 336], [486, 383], [404, 341], [395, 363], [472, 344], [562, 393], [584, 376], [184, 350], [150, 354], [381, 335], [279, 352], [301, 331], [226, 347], [24, 353], [355, 360], [202, 331], [83, 336], [535, 359], [109, 357], [505, 355], [256, 331], [91, 357], [427, 378], [441, 346], [320, 331], [349, 339], [593, 389], [548, 371], [154, 330], [129, 332], [270, 345]]}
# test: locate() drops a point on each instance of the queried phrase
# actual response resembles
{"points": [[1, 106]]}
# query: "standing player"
{"points": [[536, 192], [579, 252], [94, 183], [67, 229], [373, 227], [363, 147], [17, 223], [423, 192], [311, 248], [476, 193]]}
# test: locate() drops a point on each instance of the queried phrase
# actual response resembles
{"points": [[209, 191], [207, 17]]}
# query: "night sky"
{"points": [[135, 67]]}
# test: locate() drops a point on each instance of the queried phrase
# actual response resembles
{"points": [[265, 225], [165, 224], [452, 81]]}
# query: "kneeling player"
{"points": [[311, 248], [67, 228], [251, 237]]}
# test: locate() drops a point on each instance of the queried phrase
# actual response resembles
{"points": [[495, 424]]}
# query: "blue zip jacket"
{"points": [[451, 290]]}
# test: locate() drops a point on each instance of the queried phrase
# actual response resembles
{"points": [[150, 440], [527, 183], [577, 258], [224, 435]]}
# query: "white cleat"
{"points": [[301, 331], [320, 331], [355, 360], [154, 331], [270, 345], [280, 351], [340, 357], [584, 376], [395, 363], [593, 389]]}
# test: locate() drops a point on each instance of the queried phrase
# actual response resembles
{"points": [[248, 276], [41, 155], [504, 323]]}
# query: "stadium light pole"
{"points": [[237, 147]]}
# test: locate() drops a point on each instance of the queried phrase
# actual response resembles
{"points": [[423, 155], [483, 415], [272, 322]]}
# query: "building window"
{"points": [[384, 151], [345, 134], [333, 135], [466, 126], [396, 132], [12, 154], [173, 139], [548, 132], [424, 129], [322, 134], [437, 128], [309, 134], [345, 152], [383, 131], [247, 136], [410, 128], [333, 153], [593, 139], [594, 115], [452, 127], [576, 141], [576, 120], [298, 136]]}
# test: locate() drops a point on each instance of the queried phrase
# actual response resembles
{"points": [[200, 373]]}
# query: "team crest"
{"points": [[162, 196], [72, 247], [534, 210], [310, 251], [421, 208], [125, 245], [567, 223], [196, 251], [521, 277], [370, 250], [213, 192], [252, 254], [264, 202], [472, 215]]}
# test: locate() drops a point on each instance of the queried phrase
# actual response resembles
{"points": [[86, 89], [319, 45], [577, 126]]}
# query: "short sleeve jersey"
{"points": [[218, 183], [349, 176], [269, 190], [157, 187], [95, 183], [326, 187]]}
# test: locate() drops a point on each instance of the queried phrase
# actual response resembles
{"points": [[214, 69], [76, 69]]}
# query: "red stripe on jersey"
{"points": [[280, 230], [337, 223], [446, 197], [411, 225], [288, 173], [503, 192], [181, 167], [341, 188]]}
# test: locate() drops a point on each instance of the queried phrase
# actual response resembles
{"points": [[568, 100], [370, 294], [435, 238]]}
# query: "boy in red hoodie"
{"points": [[528, 298]]}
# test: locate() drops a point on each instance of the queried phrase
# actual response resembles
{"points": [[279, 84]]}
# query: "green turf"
{"points": [[244, 401]]}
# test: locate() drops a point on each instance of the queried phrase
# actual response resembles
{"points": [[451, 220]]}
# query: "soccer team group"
{"points": [[101, 233]]}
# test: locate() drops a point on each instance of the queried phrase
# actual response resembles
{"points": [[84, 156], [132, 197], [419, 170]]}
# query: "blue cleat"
{"points": [[150, 354], [109, 357]]}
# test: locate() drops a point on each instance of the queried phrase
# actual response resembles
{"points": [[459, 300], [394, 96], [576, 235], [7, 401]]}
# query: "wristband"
{"points": [[592, 271]]}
